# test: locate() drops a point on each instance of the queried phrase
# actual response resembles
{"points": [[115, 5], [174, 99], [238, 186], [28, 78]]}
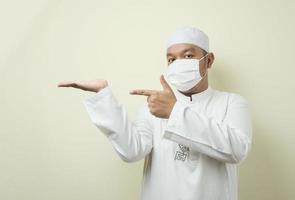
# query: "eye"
{"points": [[170, 60], [189, 56]]}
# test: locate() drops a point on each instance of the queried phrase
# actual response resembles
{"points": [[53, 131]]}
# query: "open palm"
{"points": [[93, 85]]}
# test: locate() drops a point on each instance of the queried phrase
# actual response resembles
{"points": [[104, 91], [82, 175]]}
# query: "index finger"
{"points": [[143, 92]]}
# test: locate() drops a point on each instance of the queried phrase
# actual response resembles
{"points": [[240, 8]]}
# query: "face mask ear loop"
{"points": [[203, 57], [206, 67]]}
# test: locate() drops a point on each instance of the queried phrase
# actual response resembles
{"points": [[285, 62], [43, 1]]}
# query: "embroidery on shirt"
{"points": [[182, 154]]}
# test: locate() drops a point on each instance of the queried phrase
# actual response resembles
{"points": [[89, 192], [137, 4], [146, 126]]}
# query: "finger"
{"points": [[164, 83], [151, 105], [66, 84], [143, 92]]}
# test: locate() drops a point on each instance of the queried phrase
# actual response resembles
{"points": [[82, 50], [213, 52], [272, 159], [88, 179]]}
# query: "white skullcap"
{"points": [[190, 35]]}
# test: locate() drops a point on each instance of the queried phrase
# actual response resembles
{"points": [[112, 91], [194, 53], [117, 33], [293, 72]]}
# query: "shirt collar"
{"points": [[195, 97]]}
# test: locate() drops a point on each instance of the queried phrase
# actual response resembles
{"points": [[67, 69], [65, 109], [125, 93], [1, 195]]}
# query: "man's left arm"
{"points": [[227, 141]]}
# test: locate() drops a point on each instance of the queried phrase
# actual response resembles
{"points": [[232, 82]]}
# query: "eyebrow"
{"points": [[183, 51]]}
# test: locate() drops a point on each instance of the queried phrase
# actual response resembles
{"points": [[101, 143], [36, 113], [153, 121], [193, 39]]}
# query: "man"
{"points": [[192, 136]]}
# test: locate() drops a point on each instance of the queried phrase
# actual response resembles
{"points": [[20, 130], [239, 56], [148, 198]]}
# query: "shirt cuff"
{"points": [[174, 119]]}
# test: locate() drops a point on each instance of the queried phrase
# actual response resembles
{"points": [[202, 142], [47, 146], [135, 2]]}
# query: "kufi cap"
{"points": [[190, 35]]}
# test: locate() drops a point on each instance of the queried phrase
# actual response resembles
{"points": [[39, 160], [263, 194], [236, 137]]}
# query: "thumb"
{"points": [[164, 84]]}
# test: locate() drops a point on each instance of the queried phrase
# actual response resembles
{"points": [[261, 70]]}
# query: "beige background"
{"points": [[48, 147]]}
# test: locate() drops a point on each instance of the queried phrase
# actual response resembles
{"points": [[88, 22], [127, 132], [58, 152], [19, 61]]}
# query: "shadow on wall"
{"points": [[261, 166]]}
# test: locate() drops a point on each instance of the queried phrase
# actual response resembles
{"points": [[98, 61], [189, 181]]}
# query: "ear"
{"points": [[210, 60]]}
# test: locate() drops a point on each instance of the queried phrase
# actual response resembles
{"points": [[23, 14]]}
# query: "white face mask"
{"points": [[184, 74]]}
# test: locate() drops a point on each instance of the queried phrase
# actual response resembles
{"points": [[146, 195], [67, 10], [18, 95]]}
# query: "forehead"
{"points": [[178, 49]]}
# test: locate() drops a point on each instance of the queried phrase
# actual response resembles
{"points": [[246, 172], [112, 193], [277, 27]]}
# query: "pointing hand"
{"points": [[160, 102]]}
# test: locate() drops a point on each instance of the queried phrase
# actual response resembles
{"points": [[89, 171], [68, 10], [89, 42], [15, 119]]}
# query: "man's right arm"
{"points": [[131, 140]]}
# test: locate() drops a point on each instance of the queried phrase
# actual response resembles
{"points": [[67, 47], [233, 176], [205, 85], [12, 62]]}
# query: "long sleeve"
{"points": [[228, 140], [131, 140]]}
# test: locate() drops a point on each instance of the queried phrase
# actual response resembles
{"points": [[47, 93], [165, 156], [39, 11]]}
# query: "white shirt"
{"points": [[193, 155]]}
